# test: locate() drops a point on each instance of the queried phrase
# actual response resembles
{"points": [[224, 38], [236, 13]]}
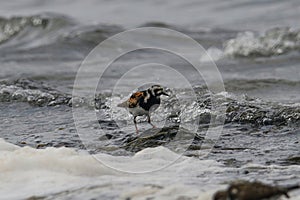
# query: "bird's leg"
{"points": [[136, 129], [149, 121]]}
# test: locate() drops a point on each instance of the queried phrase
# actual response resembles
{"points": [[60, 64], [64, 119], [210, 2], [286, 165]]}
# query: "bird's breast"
{"points": [[138, 111]]}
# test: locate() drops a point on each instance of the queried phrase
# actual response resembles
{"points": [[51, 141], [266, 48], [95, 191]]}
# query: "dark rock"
{"points": [[108, 124], [244, 190], [35, 198], [258, 116], [204, 118], [293, 160], [156, 137]]}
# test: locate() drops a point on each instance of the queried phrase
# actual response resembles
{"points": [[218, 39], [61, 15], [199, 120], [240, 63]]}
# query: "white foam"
{"points": [[64, 173], [5, 146], [275, 41], [26, 172]]}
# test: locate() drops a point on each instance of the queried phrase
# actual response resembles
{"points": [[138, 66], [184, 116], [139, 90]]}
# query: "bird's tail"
{"points": [[123, 105]]}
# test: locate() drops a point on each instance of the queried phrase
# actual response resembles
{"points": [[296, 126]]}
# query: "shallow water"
{"points": [[42, 45]]}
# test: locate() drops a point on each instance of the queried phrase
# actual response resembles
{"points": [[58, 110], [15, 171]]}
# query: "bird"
{"points": [[141, 102], [245, 190]]}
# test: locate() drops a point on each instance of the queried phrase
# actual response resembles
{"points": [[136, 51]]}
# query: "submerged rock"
{"points": [[34, 93], [261, 115]]}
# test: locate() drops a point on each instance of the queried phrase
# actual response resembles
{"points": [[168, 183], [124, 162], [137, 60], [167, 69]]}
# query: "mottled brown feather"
{"points": [[133, 100]]}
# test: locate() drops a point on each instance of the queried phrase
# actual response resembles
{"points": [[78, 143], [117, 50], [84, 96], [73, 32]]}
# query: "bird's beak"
{"points": [[164, 93]]}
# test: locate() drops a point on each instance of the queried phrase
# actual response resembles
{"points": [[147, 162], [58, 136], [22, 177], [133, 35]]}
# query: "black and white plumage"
{"points": [[141, 102]]}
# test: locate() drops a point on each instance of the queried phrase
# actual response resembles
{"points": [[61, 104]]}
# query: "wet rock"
{"points": [[220, 195], [156, 137], [35, 198], [42, 145], [33, 92], [244, 190], [258, 115], [108, 124], [204, 118], [292, 160]]}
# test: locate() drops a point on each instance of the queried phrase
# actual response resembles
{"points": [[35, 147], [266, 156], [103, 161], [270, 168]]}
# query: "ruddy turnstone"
{"points": [[141, 102], [244, 190]]}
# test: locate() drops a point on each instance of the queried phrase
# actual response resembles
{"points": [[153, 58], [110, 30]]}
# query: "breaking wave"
{"points": [[32, 31], [240, 109], [35, 93], [64, 171], [273, 42], [28, 32]]}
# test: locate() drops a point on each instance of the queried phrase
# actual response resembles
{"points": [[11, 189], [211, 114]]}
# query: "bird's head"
{"points": [[157, 90]]}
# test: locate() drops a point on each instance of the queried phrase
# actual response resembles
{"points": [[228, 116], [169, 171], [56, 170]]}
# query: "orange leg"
{"points": [[135, 124], [149, 121]]}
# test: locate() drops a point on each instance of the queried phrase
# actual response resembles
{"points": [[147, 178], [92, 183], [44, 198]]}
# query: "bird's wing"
{"points": [[132, 101]]}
